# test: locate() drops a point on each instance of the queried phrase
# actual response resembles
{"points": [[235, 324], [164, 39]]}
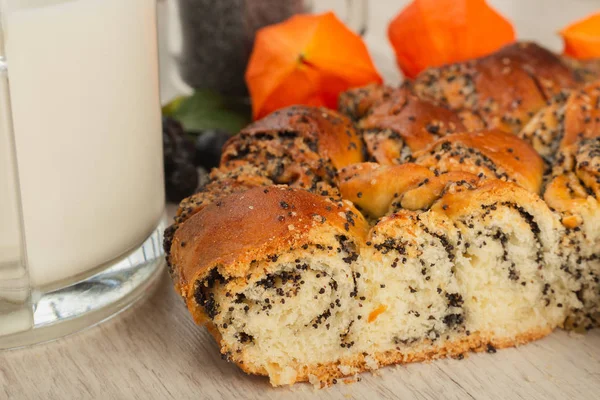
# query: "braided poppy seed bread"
{"points": [[505, 88], [321, 248], [267, 291]]}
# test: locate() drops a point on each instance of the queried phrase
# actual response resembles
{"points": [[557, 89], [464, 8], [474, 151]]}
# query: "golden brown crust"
{"points": [[569, 117], [331, 132], [585, 70], [507, 108], [505, 88], [251, 226], [462, 202], [378, 190], [566, 195], [415, 122], [582, 115], [493, 154], [237, 177], [394, 122], [299, 146], [223, 182], [551, 73], [471, 120], [546, 128], [425, 194], [575, 181], [576, 170], [357, 103], [374, 187]]}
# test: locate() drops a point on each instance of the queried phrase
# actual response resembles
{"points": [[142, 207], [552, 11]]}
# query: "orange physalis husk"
{"points": [[308, 59], [429, 33], [582, 39]]}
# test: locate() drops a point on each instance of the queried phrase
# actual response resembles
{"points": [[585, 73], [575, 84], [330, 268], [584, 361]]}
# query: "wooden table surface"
{"points": [[153, 350]]}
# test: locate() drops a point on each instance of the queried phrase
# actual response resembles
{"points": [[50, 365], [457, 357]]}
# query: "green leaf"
{"points": [[207, 110], [170, 108]]}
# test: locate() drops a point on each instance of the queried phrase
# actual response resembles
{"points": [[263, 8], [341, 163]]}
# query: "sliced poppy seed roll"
{"points": [[508, 245], [272, 273], [573, 192], [510, 275], [410, 303]]}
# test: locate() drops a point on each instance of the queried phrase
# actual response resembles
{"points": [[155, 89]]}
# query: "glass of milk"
{"points": [[81, 171]]}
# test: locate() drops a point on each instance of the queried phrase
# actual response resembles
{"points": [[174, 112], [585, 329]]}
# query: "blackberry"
{"points": [[181, 177], [209, 145], [177, 144], [181, 180]]}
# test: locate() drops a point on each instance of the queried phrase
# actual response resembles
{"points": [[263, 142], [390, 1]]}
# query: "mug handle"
{"points": [[357, 15]]}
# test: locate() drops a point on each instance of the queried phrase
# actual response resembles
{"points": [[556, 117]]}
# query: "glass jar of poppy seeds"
{"points": [[211, 41]]}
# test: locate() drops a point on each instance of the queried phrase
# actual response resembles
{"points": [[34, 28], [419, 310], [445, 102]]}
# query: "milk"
{"points": [[84, 89]]}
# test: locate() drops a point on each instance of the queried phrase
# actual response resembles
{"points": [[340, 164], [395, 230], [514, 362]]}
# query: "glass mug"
{"points": [[81, 171], [211, 41]]}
